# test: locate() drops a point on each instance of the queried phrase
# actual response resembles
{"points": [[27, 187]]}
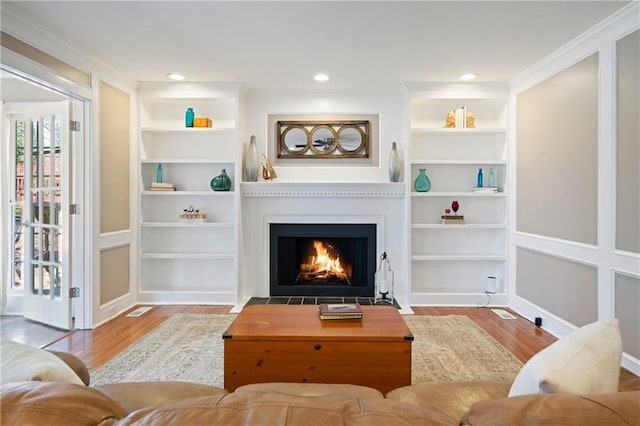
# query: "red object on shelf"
{"points": [[455, 206]]}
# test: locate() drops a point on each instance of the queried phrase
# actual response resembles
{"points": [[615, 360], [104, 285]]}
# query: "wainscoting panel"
{"points": [[557, 155], [627, 310], [565, 288], [628, 144], [114, 273]]}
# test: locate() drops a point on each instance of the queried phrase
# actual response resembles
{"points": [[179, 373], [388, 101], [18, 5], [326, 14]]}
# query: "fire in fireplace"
{"points": [[324, 266], [322, 259]]}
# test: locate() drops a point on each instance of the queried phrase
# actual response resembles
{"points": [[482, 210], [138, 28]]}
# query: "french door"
{"points": [[41, 209]]}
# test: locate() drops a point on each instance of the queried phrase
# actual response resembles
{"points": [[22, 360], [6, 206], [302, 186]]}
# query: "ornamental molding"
{"points": [[323, 190]]}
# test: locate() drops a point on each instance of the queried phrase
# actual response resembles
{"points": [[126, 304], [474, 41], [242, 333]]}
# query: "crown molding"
{"points": [[591, 41], [19, 26]]}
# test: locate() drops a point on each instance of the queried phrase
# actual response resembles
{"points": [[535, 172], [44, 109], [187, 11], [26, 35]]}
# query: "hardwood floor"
{"points": [[96, 347], [520, 336], [21, 330]]}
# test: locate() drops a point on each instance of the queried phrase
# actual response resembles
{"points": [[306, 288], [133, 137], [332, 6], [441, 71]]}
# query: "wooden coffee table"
{"points": [[284, 343]]}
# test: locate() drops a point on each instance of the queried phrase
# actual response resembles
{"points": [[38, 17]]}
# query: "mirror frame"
{"points": [[311, 150]]}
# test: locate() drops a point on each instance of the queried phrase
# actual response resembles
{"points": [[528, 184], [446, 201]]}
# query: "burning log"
{"points": [[324, 266], [322, 276]]}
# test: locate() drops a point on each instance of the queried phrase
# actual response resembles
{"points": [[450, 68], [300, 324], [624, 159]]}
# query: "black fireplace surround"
{"points": [[291, 246]]}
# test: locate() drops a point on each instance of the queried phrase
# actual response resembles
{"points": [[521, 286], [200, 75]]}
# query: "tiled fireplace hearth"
{"points": [[358, 220]]}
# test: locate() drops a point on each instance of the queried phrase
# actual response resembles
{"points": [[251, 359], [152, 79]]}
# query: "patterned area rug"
{"points": [[454, 348], [189, 347]]}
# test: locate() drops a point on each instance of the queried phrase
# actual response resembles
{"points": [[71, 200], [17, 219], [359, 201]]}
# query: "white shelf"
{"points": [[496, 162], [188, 225], [211, 193], [465, 226], [187, 160], [168, 129], [457, 257], [450, 262], [443, 291], [457, 194], [173, 292], [219, 256], [188, 262], [471, 131]]}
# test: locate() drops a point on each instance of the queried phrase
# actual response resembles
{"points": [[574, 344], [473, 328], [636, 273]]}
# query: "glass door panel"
{"points": [[41, 223]]}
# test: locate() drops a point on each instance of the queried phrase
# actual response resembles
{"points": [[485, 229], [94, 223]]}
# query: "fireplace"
{"points": [[322, 259]]}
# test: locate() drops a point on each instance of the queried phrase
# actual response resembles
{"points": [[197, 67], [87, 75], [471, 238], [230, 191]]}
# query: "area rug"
{"points": [[189, 347]]}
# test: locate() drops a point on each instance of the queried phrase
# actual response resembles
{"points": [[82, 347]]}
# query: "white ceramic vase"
{"points": [[394, 164], [251, 164]]}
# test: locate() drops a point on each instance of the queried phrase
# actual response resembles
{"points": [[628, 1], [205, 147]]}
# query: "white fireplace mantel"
{"points": [[263, 203], [323, 189]]}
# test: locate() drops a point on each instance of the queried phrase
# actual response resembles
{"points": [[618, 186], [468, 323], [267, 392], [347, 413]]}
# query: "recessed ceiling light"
{"points": [[321, 77], [469, 76], [176, 76]]}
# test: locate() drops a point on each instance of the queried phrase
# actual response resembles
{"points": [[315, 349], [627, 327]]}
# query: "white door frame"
{"points": [[81, 99]]}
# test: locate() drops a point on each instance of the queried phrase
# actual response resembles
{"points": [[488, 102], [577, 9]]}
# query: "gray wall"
{"points": [[565, 288], [557, 155], [627, 306], [577, 185], [628, 147]]}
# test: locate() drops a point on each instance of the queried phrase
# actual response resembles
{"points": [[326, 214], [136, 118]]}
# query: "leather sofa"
{"points": [[177, 403]]}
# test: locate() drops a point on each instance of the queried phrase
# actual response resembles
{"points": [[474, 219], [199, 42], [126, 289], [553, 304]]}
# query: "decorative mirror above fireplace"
{"points": [[323, 139]]}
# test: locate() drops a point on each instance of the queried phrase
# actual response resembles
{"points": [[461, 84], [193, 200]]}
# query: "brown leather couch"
{"points": [[176, 403]]}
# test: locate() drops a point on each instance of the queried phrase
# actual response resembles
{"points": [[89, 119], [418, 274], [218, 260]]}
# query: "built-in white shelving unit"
{"points": [[450, 263], [188, 262]]}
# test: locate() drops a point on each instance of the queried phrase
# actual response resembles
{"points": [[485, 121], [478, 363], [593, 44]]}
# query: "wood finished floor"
{"points": [[96, 347], [21, 330]]}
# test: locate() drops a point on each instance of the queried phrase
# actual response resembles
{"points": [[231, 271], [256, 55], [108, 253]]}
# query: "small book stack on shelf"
{"points": [[162, 186], [334, 311], [452, 219], [489, 189], [202, 122]]}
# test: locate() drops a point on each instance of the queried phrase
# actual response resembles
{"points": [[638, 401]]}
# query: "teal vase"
{"points": [[222, 182], [188, 118], [159, 173], [422, 182]]}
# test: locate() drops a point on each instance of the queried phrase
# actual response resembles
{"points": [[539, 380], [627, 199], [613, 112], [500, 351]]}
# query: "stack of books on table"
{"points": [[489, 189], [335, 311], [452, 219], [162, 186]]}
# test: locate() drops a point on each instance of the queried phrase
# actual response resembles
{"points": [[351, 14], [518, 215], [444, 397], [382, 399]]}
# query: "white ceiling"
{"points": [[283, 44]]}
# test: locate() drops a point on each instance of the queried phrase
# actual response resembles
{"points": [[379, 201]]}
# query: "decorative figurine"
{"points": [[451, 119], [268, 172]]}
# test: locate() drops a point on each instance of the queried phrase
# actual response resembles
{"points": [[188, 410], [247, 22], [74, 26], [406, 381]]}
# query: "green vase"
{"points": [[222, 182], [422, 182]]}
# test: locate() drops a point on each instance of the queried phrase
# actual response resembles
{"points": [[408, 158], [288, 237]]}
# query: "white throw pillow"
{"points": [[22, 363], [586, 360]]}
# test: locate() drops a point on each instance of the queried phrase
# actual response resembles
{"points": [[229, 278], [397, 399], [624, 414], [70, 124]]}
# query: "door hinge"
{"points": [[74, 209], [74, 125], [74, 292]]}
